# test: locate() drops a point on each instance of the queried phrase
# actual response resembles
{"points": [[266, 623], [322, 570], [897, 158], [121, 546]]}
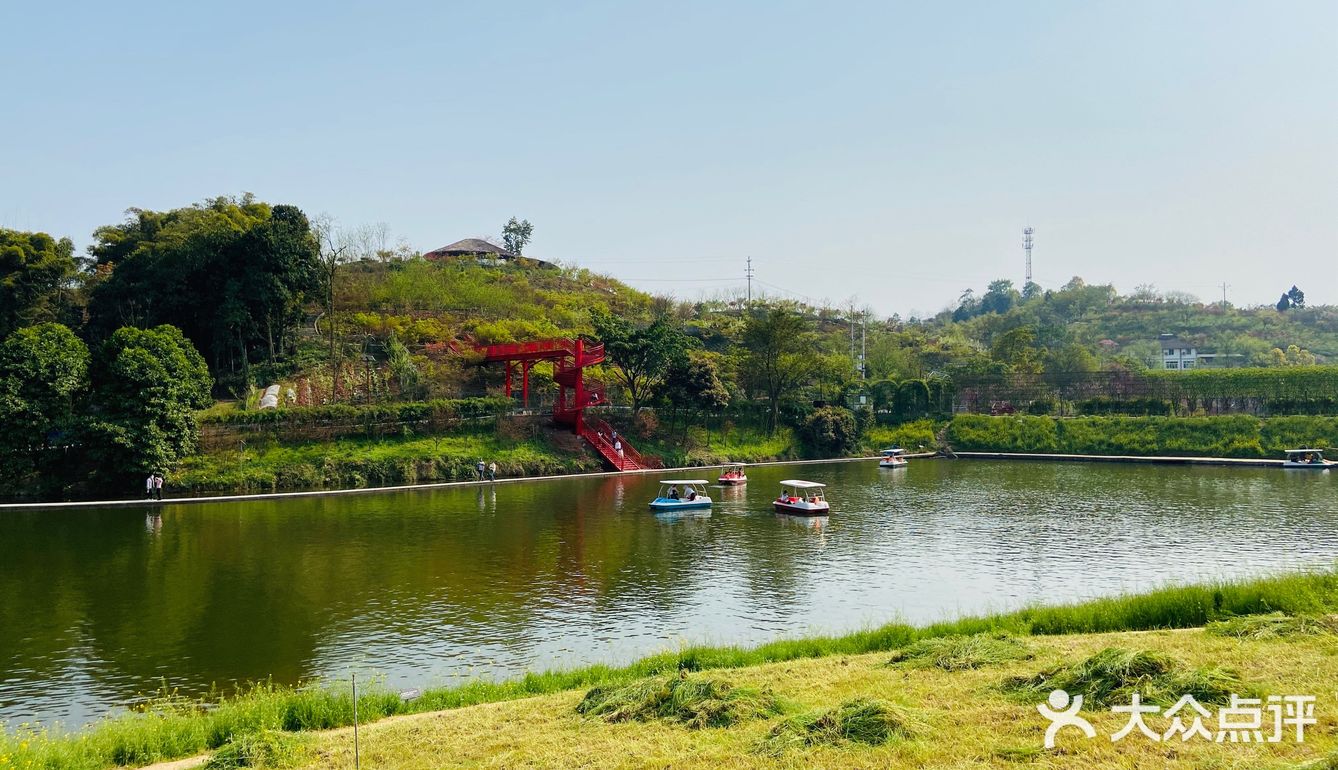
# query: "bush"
{"points": [[1041, 406], [1223, 436], [409, 411], [830, 431]]}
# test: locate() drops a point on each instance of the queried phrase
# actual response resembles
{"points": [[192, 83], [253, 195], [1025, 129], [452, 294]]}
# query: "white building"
{"points": [[1177, 353]]}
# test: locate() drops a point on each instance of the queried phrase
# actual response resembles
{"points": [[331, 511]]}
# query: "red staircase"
{"points": [[576, 392]]}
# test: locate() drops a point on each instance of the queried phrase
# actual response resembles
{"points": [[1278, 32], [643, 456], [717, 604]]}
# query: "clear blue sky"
{"points": [[888, 151]]}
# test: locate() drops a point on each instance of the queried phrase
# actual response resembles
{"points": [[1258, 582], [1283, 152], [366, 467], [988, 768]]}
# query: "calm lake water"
{"points": [[423, 588]]}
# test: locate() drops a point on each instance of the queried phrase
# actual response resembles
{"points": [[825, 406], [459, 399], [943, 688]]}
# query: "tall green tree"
{"points": [[230, 273], [640, 356], [34, 268], [778, 354], [1296, 296], [146, 385], [516, 235], [43, 379], [693, 383]]}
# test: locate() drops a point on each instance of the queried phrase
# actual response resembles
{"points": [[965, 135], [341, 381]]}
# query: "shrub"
{"points": [[830, 430]]}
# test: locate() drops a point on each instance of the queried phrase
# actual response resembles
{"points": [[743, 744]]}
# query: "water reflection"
{"points": [[441, 585]]}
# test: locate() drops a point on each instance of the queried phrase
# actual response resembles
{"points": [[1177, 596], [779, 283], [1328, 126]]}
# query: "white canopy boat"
{"points": [[1310, 459], [892, 458], [733, 475], [802, 498], [681, 495]]}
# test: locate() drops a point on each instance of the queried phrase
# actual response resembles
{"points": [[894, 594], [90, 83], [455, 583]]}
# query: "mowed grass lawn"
{"points": [[966, 720]]}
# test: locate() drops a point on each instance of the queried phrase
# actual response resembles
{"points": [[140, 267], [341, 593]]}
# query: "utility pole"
{"points": [[1225, 286], [749, 274], [1026, 246], [863, 322]]}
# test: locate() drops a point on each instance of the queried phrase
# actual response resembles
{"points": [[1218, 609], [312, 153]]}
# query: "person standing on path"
{"points": [[478, 468], [618, 447], [158, 486], [148, 487], [492, 471]]}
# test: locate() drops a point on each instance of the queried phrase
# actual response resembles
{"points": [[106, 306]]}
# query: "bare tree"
{"points": [[337, 247]]}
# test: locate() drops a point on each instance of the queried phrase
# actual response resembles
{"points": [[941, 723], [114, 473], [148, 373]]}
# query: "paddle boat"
{"points": [[802, 498], [733, 475], [681, 495], [892, 458], [1310, 459]]}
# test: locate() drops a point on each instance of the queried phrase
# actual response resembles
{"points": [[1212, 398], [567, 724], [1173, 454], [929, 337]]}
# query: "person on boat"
{"points": [[692, 494], [673, 493]]}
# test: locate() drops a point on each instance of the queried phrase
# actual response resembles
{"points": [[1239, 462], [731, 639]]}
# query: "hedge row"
{"points": [[1226, 436], [413, 411]]}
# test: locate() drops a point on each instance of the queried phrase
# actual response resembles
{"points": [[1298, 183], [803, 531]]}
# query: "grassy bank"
{"points": [[1227, 436], [857, 711], [170, 728], [363, 462]]}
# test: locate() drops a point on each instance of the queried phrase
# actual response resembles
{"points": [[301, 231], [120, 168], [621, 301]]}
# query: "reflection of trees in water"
{"points": [[226, 591]]}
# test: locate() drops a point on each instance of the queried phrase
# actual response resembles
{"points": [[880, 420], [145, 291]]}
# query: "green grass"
{"points": [[871, 722], [909, 436], [376, 462], [265, 748], [1112, 676], [169, 728], [960, 653], [1275, 626], [695, 702]]}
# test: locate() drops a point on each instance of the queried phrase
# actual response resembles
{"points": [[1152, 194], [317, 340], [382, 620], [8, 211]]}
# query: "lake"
{"points": [[98, 607]]}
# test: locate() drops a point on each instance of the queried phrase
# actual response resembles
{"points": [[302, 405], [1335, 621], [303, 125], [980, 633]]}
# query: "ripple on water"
{"points": [[443, 585]]}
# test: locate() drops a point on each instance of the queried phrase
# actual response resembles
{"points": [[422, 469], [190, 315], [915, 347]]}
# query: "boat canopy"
{"points": [[1304, 451], [802, 484], [896, 450], [684, 481]]}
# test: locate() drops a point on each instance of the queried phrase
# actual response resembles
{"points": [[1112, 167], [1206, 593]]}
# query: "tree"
{"points": [[1031, 290], [230, 273], [1297, 297], [1284, 304], [43, 377], [912, 399], [778, 355], [146, 385], [33, 269], [641, 356], [999, 297], [516, 235], [830, 431], [693, 383], [1293, 356]]}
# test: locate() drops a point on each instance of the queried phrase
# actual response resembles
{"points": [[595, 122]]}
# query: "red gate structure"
{"points": [[576, 392]]}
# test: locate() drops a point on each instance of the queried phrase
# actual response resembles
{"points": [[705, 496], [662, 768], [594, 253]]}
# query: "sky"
{"points": [[882, 153]]}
